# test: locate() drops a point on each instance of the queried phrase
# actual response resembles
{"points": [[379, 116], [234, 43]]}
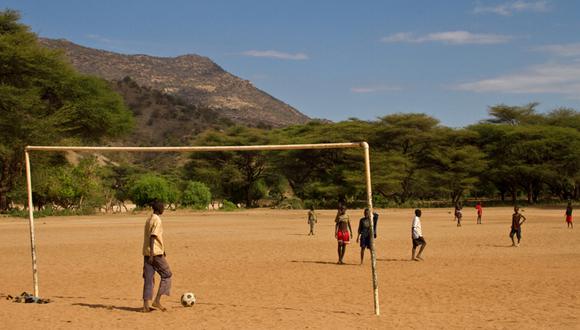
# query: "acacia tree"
{"points": [[405, 139], [455, 164], [43, 100], [238, 172]]}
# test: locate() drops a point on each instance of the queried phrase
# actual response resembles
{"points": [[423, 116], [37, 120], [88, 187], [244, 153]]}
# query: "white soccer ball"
{"points": [[188, 299]]}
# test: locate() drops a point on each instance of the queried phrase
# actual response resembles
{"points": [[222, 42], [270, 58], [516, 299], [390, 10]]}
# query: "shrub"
{"points": [[150, 187], [196, 195], [228, 206]]}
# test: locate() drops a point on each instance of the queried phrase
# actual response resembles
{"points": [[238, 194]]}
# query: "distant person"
{"points": [[364, 234], [342, 232], [417, 236], [569, 216], [155, 260], [517, 220], [312, 220], [458, 215], [375, 223], [479, 209]]}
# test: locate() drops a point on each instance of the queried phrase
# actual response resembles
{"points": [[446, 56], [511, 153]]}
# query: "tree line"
{"points": [[516, 154]]}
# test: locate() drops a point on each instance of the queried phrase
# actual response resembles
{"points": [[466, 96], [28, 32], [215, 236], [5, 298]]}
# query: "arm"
{"points": [[336, 230], [349, 229], [522, 216], [151, 246]]}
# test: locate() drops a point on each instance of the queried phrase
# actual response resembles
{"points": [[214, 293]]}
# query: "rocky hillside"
{"points": [[195, 79], [162, 119]]}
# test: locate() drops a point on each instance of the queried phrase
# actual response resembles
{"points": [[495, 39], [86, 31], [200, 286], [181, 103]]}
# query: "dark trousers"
{"points": [[160, 266]]}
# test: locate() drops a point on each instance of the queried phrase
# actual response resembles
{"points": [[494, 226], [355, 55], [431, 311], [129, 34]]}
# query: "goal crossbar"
{"points": [[345, 145]]}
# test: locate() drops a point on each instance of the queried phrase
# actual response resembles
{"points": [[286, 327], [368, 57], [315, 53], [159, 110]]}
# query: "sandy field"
{"points": [[259, 269]]}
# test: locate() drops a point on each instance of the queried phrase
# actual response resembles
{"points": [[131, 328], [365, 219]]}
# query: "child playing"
{"points": [[458, 214], [569, 216], [342, 232], [479, 212], [517, 226], [364, 234], [417, 236], [154, 260], [311, 220]]}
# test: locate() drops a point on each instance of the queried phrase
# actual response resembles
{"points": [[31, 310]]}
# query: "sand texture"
{"points": [[258, 269]]}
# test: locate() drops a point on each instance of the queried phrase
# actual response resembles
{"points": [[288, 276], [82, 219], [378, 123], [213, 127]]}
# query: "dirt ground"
{"points": [[259, 269]]}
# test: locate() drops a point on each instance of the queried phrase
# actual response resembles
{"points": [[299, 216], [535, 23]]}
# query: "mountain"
{"points": [[162, 119], [195, 79]]}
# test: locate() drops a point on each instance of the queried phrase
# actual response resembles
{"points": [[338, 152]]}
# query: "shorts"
{"points": [[569, 219], [517, 232], [418, 241], [365, 242], [343, 236]]}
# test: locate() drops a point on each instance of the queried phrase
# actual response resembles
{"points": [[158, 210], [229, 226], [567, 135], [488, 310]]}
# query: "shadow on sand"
{"points": [[393, 259], [497, 245], [278, 308], [323, 262], [110, 307]]}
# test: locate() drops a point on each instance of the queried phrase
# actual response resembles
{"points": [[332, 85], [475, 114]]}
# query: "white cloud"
{"points": [[552, 78], [275, 54], [375, 89], [509, 8], [567, 50], [450, 37]]}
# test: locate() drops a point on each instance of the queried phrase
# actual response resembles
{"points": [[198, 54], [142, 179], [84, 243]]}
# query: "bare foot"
{"points": [[146, 309], [420, 258], [158, 305], [415, 259]]}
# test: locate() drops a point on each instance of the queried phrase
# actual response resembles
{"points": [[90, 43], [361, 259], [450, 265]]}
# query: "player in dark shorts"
{"points": [[517, 220], [458, 215], [569, 216], [342, 232], [364, 234]]}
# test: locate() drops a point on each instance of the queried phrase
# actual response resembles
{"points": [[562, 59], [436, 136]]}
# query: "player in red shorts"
{"points": [[479, 209], [569, 216], [342, 232]]}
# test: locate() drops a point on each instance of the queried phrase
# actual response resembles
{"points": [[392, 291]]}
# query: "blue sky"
{"points": [[342, 59]]}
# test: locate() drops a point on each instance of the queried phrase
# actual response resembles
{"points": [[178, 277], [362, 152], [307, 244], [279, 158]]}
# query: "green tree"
{"points": [[196, 195], [43, 101], [150, 187], [238, 172], [403, 142], [515, 115], [455, 164]]}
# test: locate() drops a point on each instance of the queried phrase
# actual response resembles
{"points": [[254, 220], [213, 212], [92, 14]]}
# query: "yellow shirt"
{"points": [[153, 226]]}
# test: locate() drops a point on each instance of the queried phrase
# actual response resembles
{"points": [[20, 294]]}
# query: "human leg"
{"points": [[148, 284], [423, 244], [162, 268]]}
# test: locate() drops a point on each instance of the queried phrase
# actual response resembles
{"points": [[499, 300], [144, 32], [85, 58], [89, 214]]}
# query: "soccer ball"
{"points": [[188, 299]]}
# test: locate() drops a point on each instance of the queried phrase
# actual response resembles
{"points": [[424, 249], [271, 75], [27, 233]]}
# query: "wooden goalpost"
{"points": [[363, 145]]}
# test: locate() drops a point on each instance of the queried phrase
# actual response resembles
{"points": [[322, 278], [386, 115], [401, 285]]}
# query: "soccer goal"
{"points": [[359, 145]]}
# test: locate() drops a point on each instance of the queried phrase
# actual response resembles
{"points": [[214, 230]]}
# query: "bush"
{"points": [[228, 206], [196, 195], [291, 203], [151, 187]]}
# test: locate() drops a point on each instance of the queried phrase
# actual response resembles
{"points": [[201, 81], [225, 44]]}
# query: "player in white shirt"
{"points": [[417, 236]]}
